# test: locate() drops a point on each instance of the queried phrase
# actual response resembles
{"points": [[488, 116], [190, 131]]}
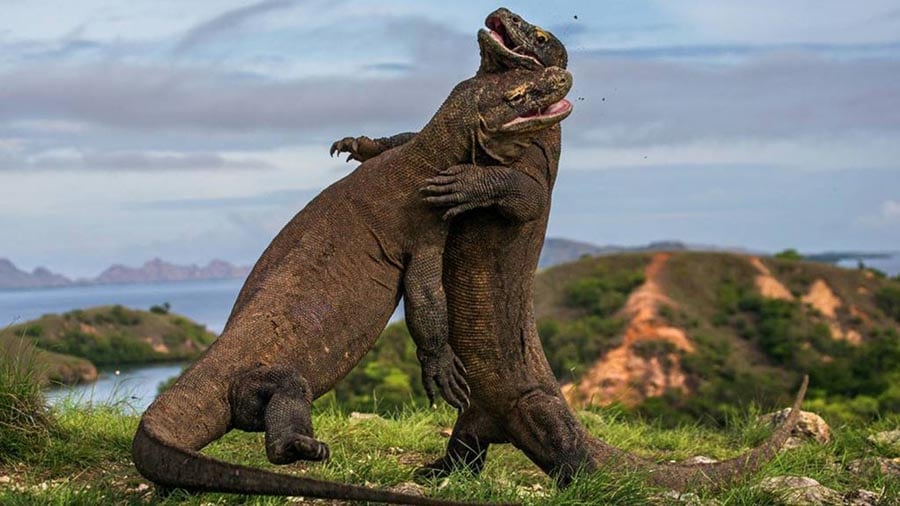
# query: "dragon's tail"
{"points": [[712, 475], [170, 466]]}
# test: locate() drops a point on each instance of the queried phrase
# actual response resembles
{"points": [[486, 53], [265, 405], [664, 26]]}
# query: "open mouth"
{"points": [[553, 112], [497, 30]]}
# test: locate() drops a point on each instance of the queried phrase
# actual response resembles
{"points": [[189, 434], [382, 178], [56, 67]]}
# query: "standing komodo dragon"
{"points": [[489, 265], [325, 288]]}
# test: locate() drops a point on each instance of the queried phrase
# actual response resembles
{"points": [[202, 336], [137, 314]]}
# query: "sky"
{"points": [[196, 130]]}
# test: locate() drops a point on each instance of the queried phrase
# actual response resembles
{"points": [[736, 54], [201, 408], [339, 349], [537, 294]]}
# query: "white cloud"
{"points": [[890, 210], [797, 21], [889, 216], [805, 153]]}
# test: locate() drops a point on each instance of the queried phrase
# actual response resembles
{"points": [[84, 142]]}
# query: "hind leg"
{"points": [[544, 428], [277, 400], [473, 432]]}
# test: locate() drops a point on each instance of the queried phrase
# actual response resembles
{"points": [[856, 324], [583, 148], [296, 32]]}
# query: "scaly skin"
{"points": [[322, 292], [489, 264]]}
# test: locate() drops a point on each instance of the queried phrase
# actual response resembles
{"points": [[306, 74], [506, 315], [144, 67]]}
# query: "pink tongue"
{"points": [[557, 107], [499, 38]]}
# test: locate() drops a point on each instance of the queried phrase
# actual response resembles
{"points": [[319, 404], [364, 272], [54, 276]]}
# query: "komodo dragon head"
{"points": [[508, 41], [510, 108]]}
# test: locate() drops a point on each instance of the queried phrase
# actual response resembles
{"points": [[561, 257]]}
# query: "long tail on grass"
{"points": [[173, 467], [711, 476]]}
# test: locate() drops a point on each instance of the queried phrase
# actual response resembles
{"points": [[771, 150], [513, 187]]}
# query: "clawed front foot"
{"points": [[438, 469], [298, 447], [460, 188], [444, 466], [443, 370], [359, 148]]}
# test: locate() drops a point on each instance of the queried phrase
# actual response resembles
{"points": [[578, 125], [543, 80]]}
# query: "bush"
{"points": [[789, 254], [604, 292], [572, 347], [387, 378], [888, 300], [109, 349], [161, 309], [24, 419]]}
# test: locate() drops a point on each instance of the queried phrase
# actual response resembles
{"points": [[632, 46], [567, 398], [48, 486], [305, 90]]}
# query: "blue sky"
{"points": [[194, 130]]}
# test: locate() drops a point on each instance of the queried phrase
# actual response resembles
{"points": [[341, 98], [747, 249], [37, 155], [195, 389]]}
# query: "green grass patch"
{"points": [[86, 460], [24, 419]]}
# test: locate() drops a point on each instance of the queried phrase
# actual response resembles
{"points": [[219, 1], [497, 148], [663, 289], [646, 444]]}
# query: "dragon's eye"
{"points": [[541, 37], [516, 96]]}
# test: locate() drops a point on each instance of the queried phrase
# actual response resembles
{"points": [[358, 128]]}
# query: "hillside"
{"points": [[689, 335], [72, 344], [695, 333]]}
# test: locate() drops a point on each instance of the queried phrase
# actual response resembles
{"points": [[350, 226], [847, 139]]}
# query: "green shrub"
{"points": [[33, 330], [387, 377], [24, 419], [161, 309], [604, 292], [573, 346], [888, 300], [789, 254], [107, 349]]}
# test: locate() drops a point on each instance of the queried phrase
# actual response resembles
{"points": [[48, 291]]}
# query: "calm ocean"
{"points": [[206, 302]]}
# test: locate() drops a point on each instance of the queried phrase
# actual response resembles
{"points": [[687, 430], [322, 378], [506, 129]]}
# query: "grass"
{"points": [[85, 459], [24, 419]]}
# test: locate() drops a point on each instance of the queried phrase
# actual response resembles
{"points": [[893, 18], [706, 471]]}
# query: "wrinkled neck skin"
{"points": [[448, 139], [493, 63]]}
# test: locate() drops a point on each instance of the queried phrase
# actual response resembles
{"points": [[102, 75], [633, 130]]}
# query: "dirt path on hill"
{"points": [[623, 374]]}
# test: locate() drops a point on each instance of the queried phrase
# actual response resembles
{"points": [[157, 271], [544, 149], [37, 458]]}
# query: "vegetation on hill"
{"points": [[70, 344]]}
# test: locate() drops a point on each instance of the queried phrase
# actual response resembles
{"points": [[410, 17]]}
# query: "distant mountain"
{"points": [[559, 251], [154, 271], [13, 277]]}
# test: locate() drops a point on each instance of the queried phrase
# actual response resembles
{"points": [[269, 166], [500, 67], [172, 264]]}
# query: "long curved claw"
{"points": [[457, 210], [445, 200]]}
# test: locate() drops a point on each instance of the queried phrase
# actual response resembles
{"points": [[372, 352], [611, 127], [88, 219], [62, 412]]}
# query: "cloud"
{"points": [[227, 21], [889, 216], [803, 21], [890, 210], [128, 161], [280, 198], [141, 97], [783, 96]]}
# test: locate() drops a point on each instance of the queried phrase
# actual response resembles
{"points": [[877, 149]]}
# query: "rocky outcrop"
{"points": [[889, 439], [875, 465], [810, 427], [804, 491]]}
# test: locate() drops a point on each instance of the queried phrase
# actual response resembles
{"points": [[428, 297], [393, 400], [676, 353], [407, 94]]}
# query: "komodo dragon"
{"points": [[322, 292], [489, 264]]}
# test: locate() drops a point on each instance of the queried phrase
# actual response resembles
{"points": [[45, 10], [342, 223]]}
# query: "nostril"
{"points": [[516, 20]]}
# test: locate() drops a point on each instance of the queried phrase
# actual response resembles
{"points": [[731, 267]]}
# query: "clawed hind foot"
{"points": [[299, 447]]}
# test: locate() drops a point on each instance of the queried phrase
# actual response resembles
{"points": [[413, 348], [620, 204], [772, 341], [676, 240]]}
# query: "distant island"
{"points": [[72, 345], [556, 251], [153, 271]]}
